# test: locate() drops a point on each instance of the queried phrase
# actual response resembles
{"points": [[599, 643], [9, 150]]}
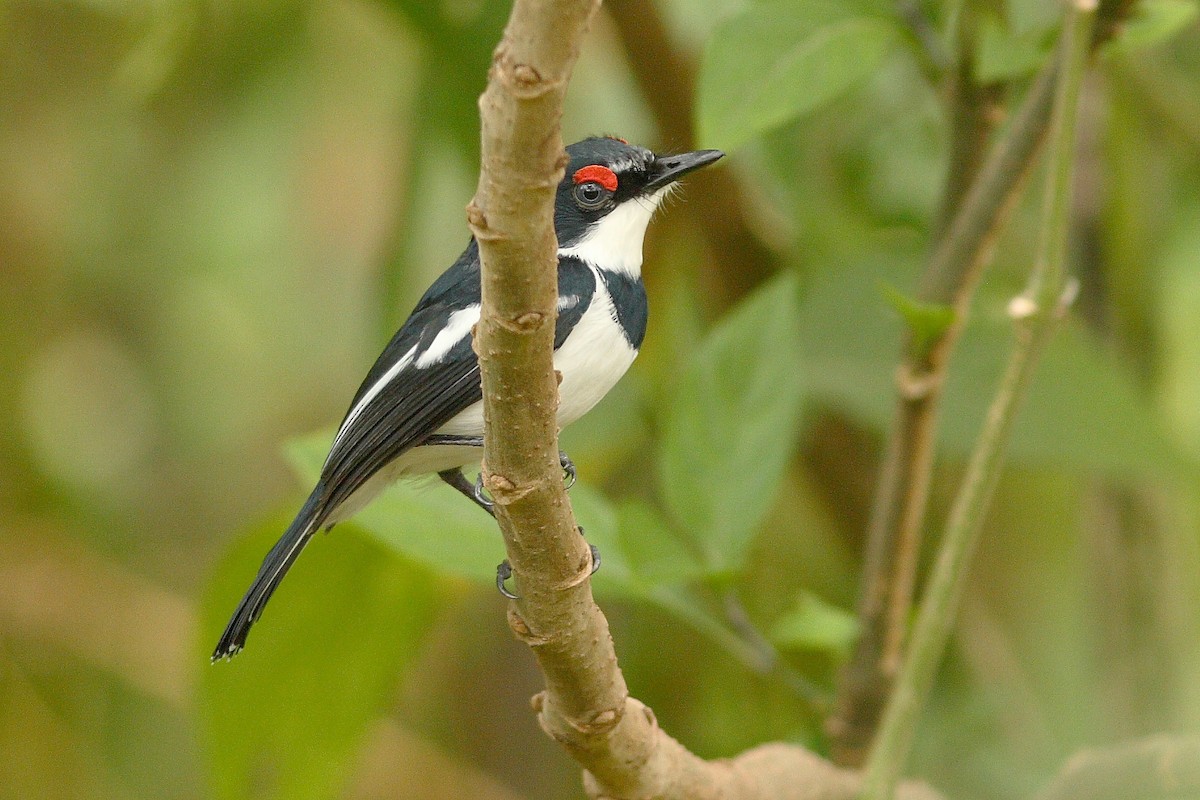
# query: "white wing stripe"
{"points": [[375, 389], [458, 325]]}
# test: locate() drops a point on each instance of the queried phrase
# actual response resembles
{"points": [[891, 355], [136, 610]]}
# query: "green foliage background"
{"points": [[212, 215]]}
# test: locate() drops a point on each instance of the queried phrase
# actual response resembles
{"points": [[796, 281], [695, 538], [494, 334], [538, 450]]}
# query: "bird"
{"points": [[419, 411]]}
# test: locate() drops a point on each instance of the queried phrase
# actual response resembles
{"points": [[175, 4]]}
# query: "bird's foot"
{"points": [[504, 571], [595, 556], [568, 468], [480, 496]]}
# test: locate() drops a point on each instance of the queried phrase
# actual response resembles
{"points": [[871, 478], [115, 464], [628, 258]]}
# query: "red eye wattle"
{"points": [[598, 174]]}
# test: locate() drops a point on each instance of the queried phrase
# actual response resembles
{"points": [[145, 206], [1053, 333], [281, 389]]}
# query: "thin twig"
{"points": [[898, 509], [1037, 313], [983, 194], [767, 660]]}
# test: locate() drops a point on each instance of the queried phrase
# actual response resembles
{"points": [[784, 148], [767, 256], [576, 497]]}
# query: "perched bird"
{"points": [[420, 411]]}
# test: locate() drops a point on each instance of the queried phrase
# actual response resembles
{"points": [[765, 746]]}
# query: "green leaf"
{"points": [[1025, 16], [1153, 22], [286, 717], [813, 624], [776, 61], [655, 553], [731, 424], [425, 520], [925, 321], [1005, 54]]}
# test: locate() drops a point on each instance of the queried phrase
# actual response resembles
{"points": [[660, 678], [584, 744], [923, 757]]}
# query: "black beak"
{"points": [[668, 169]]}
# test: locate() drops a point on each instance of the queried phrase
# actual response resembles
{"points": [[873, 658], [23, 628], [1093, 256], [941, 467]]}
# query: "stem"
{"points": [[1037, 312], [898, 509], [901, 496], [932, 55], [766, 660]]}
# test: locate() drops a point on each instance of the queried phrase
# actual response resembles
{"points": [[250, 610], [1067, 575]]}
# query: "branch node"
{"points": [[523, 81], [477, 221], [1022, 307], [585, 571], [913, 384], [503, 490], [526, 323], [1067, 299], [597, 724], [521, 630], [649, 712]]}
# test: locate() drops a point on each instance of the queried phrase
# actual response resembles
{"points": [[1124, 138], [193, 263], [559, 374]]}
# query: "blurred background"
{"points": [[214, 214]]}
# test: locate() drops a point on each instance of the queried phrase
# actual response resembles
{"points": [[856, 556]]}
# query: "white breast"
{"points": [[592, 359]]}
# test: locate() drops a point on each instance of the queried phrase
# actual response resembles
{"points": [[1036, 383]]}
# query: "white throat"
{"points": [[615, 242]]}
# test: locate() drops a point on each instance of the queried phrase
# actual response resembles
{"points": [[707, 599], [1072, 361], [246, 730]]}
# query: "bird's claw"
{"points": [[481, 496], [568, 468], [503, 573]]}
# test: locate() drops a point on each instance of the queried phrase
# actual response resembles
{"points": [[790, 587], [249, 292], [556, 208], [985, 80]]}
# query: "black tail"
{"points": [[273, 568]]}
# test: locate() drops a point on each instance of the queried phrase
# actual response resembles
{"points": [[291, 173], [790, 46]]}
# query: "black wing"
{"points": [[417, 400], [388, 417]]}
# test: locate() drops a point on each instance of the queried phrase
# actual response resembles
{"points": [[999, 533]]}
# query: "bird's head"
{"points": [[608, 194]]}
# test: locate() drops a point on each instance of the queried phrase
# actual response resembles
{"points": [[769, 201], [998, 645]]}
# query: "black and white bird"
{"points": [[419, 411]]}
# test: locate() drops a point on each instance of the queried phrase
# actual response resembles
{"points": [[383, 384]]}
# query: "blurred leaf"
{"points": [[425, 520], [459, 38], [1084, 410], [1153, 22], [1005, 54], [88, 730], [655, 553], [778, 60], [813, 624], [286, 717], [1025, 16], [42, 755], [731, 424], [925, 321], [1178, 328]]}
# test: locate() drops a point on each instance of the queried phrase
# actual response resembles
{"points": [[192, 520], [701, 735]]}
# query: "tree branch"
{"points": [[512, 219], [585, 705]]}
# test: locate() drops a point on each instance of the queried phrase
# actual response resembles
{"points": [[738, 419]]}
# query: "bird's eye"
{"points": [[590, 195]]}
